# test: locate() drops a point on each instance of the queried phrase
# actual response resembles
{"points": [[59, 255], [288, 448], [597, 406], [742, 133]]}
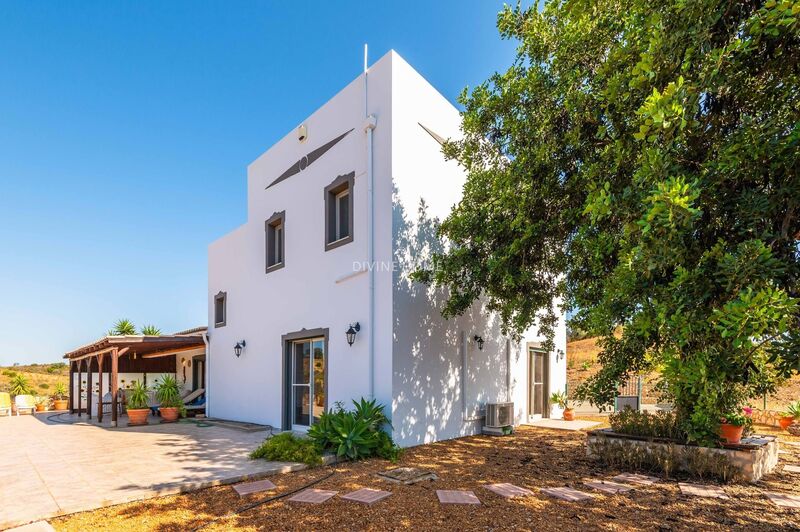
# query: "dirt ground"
{"points": [[531, 458]]}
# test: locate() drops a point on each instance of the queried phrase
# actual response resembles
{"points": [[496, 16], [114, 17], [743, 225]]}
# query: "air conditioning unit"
{"points": [[499, 415]]}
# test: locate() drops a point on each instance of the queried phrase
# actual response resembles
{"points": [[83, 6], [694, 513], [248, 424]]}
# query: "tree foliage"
{"points": [[639, 159]]}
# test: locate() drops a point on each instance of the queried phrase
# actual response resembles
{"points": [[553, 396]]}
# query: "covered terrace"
{"points": [[100, 371]]}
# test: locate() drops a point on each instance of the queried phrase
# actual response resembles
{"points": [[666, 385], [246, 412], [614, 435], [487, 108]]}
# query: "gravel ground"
{"points": [[531, 458]]}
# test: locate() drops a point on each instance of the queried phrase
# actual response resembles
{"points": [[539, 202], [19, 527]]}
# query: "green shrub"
{"points": [[658, 425], [585, 365], [168, 392], [355, 434], [9, 372], [44, 385], [286, 447], [60, 390]]}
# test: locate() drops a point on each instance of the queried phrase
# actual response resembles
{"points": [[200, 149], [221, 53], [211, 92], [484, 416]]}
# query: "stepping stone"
{"points": [[608, 486], [457, 497], [792, 468], [407, 475], [781, 451], [253, 487], [366, 495], [313, 496], [567, 494], [509, 491], [700, 490], [783, 499], [634, 478]]}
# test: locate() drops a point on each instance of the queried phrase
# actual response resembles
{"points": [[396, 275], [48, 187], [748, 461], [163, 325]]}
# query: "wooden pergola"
{"points": [[131, 354]]}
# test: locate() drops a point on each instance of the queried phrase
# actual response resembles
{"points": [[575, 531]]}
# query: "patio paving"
{"points": [[560, 424], [67, 467]]}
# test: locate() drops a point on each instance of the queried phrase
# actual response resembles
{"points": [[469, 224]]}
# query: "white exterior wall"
{"points": [[315, 289], [440, 391], [433, 389]]}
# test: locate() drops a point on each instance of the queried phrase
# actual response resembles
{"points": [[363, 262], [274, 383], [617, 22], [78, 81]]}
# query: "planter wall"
{"points": [[754, 457]]}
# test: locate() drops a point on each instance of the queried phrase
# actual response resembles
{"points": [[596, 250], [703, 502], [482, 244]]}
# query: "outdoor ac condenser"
{"points": [[499, 415]]}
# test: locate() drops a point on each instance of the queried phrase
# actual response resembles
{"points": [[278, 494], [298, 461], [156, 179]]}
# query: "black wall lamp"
{"points": [[237, 349], [351, 333], [479, 341]]}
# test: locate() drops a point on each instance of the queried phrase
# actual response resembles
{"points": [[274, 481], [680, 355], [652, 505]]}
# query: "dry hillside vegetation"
{"points": [[582, 363], [41, 377]]}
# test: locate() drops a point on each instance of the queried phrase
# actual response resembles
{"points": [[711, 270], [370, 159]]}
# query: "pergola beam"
{"points": [[172, 351]]}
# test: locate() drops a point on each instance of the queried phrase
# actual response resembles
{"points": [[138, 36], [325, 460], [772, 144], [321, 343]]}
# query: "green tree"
{"points": [[123, 327], [150, 330], [639, 160]]}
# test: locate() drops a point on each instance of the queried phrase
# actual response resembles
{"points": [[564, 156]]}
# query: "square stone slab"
{"points": [[792, 468], [567, 494], [457, 497], [366, 495], [253, 487], [608, 486], [509, 491], [700, 490], [313, 496], [407, 475], [634, 478], [785, 500]]}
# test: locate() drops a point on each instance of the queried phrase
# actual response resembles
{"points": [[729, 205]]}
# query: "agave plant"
{"points": [[20, 385], [60, 391], [371, 412], [137, 396], [123, 327], [168, 392], [793, 410], [150, 330]]}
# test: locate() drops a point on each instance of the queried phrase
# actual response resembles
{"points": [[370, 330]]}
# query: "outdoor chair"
{"points": [[25, 402], [5, 403]]}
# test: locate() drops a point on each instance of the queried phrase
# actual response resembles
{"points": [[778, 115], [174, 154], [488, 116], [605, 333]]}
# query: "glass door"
{"points": [[536, 397], [308, 382]]}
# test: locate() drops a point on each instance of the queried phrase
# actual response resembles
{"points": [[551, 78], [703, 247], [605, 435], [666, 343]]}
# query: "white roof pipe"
{"points": [[369, 125], [206, 367]]}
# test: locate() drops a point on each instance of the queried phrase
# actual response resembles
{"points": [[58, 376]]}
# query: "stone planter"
{"points": [[754, 456]]}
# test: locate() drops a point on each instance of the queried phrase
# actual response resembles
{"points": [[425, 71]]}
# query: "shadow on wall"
{"points": [[435, 396]]}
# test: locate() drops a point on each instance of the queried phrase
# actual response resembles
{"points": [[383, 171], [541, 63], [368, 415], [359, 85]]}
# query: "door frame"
{"points": [[529, 349], [197, 375], [286, 369]]}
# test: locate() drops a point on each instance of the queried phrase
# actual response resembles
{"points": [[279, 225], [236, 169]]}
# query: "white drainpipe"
{"points": [[208, 373], [369, 125]]}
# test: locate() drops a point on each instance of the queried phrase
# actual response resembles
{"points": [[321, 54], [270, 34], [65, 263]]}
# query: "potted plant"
{"points": [[560, 398], [788, 417], [41, 403], [137, 407], [60, 396], [732, 426], [168, 394]]}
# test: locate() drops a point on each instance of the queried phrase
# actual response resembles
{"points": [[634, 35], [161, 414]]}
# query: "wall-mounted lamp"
{"points": [[237, 349], [560, 355], [479, 341], [351, 333]]}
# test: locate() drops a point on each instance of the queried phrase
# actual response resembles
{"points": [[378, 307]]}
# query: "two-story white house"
{"points": [[333, 230]]}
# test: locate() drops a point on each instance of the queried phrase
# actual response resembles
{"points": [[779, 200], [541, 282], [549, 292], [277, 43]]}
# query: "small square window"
{"points": [[339, 211], [219, 309], [275, 229]]}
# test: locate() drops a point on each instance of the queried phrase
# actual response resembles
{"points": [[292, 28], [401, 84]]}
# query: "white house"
{"points": [[332, 233]]}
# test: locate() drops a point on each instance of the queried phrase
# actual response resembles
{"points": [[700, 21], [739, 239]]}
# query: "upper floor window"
{"points": [[275, 235], [339, 211], [219, 309]]}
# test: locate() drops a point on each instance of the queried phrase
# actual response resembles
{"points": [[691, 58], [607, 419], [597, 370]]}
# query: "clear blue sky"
{"points": [[126, 129]]}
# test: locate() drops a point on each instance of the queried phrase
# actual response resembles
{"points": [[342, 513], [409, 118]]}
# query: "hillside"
{"points": [[582, 363], [42, 377]]}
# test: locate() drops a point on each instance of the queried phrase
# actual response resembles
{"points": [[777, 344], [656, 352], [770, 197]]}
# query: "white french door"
{"points": [[308, 382]]}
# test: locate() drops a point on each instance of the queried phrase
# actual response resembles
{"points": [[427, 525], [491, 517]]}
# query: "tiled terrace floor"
{"points": [[49, 468]]}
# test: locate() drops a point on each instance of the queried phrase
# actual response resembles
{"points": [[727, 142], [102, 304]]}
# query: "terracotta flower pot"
{"points": [[41, 408], [138, 416], [169, 414], [731, 433], [569, 414], [59, 404], [785, 421]]}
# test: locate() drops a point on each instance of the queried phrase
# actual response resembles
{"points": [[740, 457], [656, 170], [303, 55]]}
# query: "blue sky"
{"points": [[126, 129]]}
